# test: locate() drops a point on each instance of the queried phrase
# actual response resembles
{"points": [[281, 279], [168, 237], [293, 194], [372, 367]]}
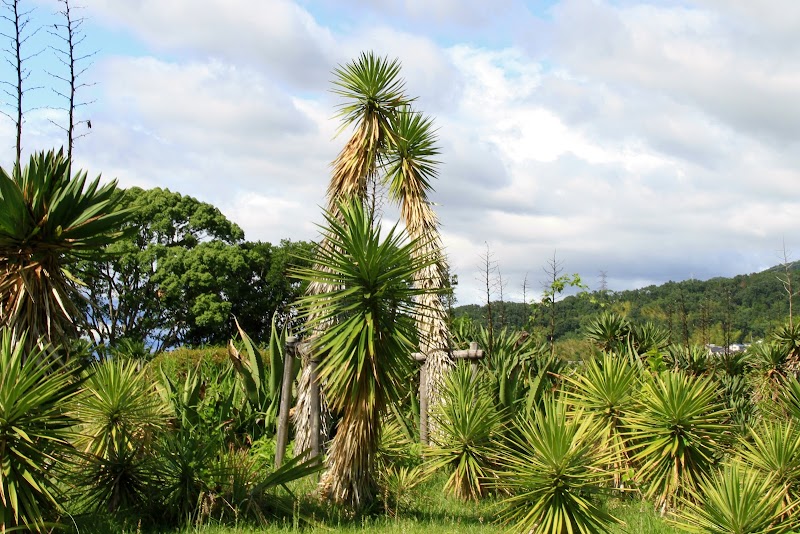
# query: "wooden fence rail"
{"points": [[473, 354]]}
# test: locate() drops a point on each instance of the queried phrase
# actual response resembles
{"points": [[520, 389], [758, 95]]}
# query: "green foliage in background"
{"points": [[184, 273]]}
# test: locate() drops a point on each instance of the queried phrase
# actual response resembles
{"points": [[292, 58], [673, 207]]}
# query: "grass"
{"points": [[427, 511]]}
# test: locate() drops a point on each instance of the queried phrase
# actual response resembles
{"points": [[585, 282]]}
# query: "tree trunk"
{"points": [[349, 479]]}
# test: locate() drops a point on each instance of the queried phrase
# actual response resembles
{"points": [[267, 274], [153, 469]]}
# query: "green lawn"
{"points": [[427, 511]]}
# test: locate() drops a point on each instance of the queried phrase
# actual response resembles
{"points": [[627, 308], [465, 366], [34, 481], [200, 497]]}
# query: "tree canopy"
{"points": [[183, 274]]}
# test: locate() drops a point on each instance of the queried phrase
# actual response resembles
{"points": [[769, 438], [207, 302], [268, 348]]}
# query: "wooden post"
{"points": [[315, 408], [423, 403], [473, 360], [286, 397], [473, 354]]}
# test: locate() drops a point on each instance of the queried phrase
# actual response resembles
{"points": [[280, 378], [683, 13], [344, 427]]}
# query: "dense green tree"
{"points": [[183, 274]]}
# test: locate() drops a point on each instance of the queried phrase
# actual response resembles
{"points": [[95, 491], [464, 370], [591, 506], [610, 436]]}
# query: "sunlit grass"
{"points": [[429, 511]]}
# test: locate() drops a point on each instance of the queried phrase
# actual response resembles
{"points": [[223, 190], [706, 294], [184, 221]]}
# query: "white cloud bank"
{"points": [[652, 141]]}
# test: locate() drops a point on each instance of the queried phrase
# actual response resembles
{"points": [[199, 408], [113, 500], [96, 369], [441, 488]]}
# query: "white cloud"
{"points": [[277, 35], [649, 140]]}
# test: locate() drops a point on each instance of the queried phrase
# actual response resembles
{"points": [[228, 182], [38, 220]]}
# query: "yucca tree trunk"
{"points": [[409, 175], [304, 412], [349, 180], [434, 339], [349, 479]]}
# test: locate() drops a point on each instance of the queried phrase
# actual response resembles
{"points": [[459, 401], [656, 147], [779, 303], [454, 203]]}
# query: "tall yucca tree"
{"points": [[393, 144], [411, 166], [48, 219], [373, 92], [364, 331]]}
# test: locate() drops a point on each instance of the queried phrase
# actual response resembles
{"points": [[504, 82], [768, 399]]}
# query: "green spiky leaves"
{"points": [[49, 218], [369, 321]]}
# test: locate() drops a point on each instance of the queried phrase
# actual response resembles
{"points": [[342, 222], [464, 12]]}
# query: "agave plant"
{"points": [[605, 390], [49, 219], [464, 447], [736, 500], [260, 378], [364, 330], [553, 472], [676, 430], [35, 432]]}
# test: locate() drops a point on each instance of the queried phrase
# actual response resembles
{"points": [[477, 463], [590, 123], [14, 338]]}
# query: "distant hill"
{"points": [[719, 310]]}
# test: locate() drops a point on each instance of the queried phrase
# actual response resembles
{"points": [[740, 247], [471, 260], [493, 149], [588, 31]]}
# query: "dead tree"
{"points": [[788, 283], [488, 278], [15, 55], [70, 34]]}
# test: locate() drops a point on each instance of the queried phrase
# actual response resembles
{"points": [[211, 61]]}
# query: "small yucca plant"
{"points": [[553, 470], [35, 432], [464, 446], [676, 432], [120, 414], [773, 449], [605, 391], [736, 500]]}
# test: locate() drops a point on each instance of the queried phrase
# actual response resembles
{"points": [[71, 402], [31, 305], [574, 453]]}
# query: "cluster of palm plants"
{"points": [[678, 427], [713, 442], [125, 437]]}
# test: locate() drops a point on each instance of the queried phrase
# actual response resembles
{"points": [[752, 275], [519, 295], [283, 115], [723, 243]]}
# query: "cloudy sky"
{"points": [[653, 141]]}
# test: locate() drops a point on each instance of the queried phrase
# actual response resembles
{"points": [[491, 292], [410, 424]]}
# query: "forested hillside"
{"points": [[720, 310]]}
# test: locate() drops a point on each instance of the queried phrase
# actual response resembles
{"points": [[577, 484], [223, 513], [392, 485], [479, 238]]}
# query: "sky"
{"points": [[650, 141]]}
